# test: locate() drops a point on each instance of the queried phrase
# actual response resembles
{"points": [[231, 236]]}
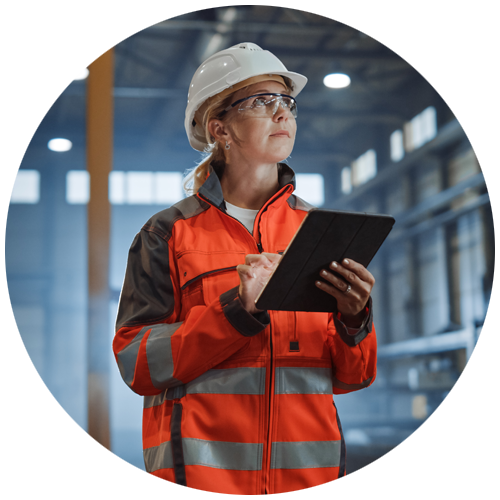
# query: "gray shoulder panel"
{"points": [[147, 295], [162, 222], [297, 203]]}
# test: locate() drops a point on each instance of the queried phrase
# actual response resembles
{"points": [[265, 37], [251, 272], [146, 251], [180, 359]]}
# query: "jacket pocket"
{"points": [[218, 282], [191, 296], [204, 276], [207, 287]]}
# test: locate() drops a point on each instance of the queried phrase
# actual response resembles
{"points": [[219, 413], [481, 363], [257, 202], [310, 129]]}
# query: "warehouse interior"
{"points": [[384, 143]]}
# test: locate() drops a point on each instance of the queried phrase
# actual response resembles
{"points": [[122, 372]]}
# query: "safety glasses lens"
{"points": [[268, 103]]}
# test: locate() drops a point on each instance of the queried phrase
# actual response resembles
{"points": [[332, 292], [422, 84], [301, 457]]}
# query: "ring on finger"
{"points": [[347, 290]]}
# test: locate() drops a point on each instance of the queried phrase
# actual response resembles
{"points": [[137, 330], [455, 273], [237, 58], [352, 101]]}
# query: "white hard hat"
{"points": [[224, 70]]}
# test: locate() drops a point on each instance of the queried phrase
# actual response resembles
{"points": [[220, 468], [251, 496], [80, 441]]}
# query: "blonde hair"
{"points": [[213, 152]]}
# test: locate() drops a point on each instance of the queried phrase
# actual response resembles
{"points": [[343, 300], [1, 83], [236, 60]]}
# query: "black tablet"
{"points": [[324, 236]]}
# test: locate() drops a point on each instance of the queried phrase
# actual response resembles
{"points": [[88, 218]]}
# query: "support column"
{"points": [[99, 165]]}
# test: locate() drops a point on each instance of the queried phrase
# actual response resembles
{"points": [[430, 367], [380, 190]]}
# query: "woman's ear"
{"points": [[218, 130]]}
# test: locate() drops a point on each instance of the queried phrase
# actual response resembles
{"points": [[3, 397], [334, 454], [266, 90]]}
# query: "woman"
{"points": [[239, 400]]}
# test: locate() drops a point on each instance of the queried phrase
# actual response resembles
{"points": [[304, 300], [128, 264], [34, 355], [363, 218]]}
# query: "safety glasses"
{"points": [[264, 104]]}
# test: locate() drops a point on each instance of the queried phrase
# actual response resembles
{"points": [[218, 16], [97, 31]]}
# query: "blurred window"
{"points": [[418, 132], [420, 129], [77, 187], [168, 187], [139, 188], [397, 145], [364, 168], [311, 188], [345, 180], [26, 187], [429, 123], [117, 187], [145, 188]]}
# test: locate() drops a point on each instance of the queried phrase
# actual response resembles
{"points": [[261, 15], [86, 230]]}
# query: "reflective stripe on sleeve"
{"points": [[150, 401], [127, 358], [158, 457], [312, 380], [216, 454], [245, 380], [159, 354], [305, 454]]}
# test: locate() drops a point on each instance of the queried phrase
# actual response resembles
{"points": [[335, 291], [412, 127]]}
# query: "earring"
{"points": [[228, 146]]}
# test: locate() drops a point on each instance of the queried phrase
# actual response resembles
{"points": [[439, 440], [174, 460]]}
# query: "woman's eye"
{"points": [[259, 101]]}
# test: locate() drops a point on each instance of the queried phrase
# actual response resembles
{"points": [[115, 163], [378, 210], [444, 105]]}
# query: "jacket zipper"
{"points": [[267, 475], [258, 242], [235, 219], [259, 215], [269, 414], [271, 377]]}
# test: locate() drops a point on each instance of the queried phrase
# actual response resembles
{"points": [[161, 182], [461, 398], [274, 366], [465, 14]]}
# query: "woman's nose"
{"points": [[280, 112]]}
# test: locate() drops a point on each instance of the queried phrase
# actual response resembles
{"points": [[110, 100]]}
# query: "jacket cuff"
{"points": [[363, 331], [247, 324]]}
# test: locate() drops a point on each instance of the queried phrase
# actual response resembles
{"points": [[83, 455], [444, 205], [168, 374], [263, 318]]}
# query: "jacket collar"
{"points": [[211, 189]]}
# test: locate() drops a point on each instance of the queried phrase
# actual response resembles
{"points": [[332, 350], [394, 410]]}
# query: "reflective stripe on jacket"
{"points": [[234, 403]]}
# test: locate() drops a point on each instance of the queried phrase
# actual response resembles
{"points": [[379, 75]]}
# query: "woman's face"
{"points": [[265, 138]]}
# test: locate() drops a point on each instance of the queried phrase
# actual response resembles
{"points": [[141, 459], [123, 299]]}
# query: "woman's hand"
{"points": [[254, 274], [352, 293]]}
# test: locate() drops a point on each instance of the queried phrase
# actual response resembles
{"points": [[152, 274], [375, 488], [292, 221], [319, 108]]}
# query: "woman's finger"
{"points": [[349, 304], [273, 257], [352, 270], [348, 283], [331, 290], [246, 271], [337, 292], [347, 274], [267, 260], [257, 260], [334, 280]]}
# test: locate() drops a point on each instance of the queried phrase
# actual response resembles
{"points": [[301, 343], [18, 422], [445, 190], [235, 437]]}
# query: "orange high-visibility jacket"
{"points": [[234, 402]]}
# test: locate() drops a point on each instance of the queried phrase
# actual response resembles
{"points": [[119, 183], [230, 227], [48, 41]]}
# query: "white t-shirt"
{"points": [[244, 215]]}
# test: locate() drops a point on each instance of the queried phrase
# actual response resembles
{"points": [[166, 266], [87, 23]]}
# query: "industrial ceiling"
{"points": [[154, 67]]}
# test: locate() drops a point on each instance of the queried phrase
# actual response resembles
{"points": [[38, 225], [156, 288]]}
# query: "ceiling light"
{"points": [[82, 74], [336, 80], [230, 15], [60, 145]]}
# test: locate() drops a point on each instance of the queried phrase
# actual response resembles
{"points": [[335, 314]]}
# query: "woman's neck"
{"points": [[249, 186]]}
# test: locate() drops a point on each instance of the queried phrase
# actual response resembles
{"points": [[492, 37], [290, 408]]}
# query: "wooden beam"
{"points": [[99, 164]]}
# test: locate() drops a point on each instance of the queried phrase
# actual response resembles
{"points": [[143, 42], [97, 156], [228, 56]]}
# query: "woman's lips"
{"points": [[281, 133]]}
